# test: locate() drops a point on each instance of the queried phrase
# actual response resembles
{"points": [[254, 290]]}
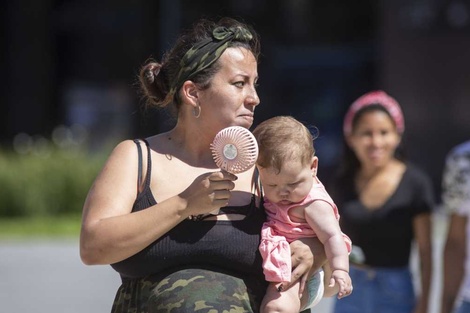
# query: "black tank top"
{"points": [[225, 246]]}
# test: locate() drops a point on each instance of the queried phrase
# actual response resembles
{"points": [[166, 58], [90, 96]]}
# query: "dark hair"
{"points": [[155, 78], [350, 164]]}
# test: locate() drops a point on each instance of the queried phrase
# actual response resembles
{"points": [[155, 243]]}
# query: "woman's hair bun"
{"points": [[151, 70]]}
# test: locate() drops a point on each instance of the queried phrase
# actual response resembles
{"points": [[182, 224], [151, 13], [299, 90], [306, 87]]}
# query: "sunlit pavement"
{"points": [[47, 276]]}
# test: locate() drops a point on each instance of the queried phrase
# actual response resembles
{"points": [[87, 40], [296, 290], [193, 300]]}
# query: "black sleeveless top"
{"points": [[226, 246], [390, 227]]}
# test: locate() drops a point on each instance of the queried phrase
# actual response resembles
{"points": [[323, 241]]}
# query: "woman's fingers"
{"points": [[221, 185], [208, 192], [303, 282], [222, 176]]}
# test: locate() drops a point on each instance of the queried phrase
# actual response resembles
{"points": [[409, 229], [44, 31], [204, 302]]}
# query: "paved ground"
{"points": [[48, 276]]}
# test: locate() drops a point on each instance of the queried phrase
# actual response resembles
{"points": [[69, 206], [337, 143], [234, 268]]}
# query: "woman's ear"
{"points": [[349, 141], [190, 93], [400, 137]]}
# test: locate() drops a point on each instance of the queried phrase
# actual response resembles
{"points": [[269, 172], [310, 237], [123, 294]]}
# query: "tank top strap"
{"points": [[139, 173], [257, 188], [149, 165], [140, 163]]}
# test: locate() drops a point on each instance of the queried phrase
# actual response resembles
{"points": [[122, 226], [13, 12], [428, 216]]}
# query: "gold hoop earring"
{"points": [[197, 111]]}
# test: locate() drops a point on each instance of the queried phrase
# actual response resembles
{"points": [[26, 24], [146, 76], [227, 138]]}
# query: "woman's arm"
{"points": [[454, 261], [110, 233], [422, 230]]}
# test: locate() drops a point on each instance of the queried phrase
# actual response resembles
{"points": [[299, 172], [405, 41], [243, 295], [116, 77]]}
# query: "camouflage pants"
{"points": [[189, 290]]}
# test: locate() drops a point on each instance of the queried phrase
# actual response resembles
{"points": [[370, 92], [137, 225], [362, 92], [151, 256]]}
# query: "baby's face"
{"points": [[291, 185]]}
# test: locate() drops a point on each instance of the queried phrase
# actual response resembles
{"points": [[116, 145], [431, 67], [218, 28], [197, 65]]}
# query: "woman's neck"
{"points": [[191, 146]]}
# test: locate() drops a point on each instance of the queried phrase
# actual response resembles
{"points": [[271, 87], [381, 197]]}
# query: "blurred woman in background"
{"points": [[385, 204]]}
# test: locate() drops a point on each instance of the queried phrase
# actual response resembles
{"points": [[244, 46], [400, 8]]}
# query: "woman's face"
{"points": [[231, 97], [374, 139]]}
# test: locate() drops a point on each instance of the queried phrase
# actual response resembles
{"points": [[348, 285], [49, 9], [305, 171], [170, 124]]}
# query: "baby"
{"points": [[297, 205]]}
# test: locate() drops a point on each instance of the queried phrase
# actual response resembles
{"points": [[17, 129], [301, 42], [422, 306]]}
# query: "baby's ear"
{"points": [[314, 165]]}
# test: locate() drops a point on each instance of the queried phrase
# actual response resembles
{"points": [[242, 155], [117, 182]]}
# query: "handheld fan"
{"points": [[234, 149]]}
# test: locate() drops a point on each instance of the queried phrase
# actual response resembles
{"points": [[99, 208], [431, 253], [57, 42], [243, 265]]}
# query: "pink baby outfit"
{"points": [[279, 230]]}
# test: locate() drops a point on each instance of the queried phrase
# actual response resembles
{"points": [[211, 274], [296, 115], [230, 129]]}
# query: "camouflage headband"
{"points": [[206, 52]]}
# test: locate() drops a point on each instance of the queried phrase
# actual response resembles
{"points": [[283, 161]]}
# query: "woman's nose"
{"points": [[376, 140], [253, 98]]}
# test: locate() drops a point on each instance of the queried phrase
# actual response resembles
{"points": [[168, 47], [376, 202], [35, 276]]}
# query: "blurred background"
{"points": [[68, 88], [73, 64]]}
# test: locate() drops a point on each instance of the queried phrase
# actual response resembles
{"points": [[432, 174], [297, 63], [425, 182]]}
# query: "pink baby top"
{"points": [[279, 230]]}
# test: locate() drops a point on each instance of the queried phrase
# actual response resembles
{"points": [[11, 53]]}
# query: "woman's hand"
{"points": [[208, 192], [308, 256]]}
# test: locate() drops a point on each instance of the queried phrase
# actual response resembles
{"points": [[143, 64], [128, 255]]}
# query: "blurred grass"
{"points": [[40, 227], [44, 183], [53, 184]]}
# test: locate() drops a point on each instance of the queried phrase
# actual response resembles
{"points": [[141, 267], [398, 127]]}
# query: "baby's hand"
{"points": [[343, 280]]}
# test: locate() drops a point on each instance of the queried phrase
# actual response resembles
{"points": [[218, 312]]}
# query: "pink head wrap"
{"points": [[375, 97]]}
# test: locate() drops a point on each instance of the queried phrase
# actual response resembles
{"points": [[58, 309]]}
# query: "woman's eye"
{"points": [[239, 84]]}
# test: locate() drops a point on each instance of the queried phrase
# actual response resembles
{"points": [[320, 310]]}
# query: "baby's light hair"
{"points": [[283, 138]]}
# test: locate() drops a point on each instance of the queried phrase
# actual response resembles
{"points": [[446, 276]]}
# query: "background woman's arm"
{"points": [[454, 260]]}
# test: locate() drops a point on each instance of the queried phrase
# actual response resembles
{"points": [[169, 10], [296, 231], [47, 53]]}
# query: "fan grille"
{"points": [[234, 149]]}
